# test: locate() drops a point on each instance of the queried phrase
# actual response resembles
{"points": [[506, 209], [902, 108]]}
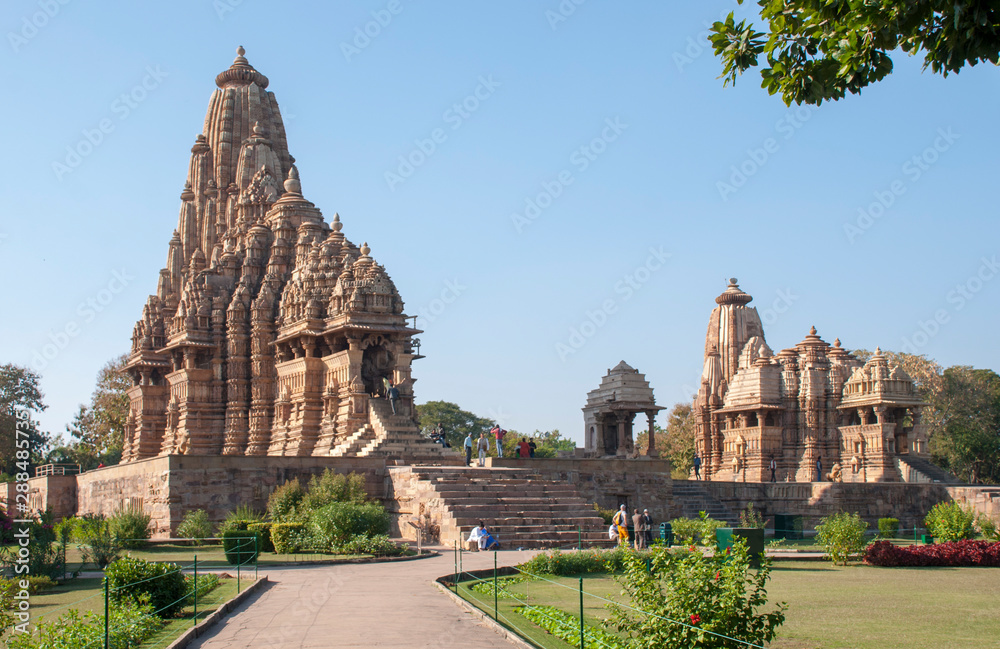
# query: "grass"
{"points": [[830, 607]]}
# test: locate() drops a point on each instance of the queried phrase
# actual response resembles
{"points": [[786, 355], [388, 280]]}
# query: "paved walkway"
{"points": [[359, 605]]}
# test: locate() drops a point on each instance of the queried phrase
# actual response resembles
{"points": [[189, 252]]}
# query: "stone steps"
{"points": [[693, 498]]}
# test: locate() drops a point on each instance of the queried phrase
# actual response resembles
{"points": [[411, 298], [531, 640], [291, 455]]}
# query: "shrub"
{"points": [[288, 538], [195, 526], [285, 499], [949, 521], [130, 526], [240, 518], [263, 532], [607, 514], [888, 528], [842, 536], [130, 624], [207, 582], [332, 525], [135, 579], [378, 545], [333, 487], [751, 517], [241, 547], [44, 556], [579, 562], [100, 546], [965, 553], [696, 530], [987, 528], [566, 627], [721, 594]]}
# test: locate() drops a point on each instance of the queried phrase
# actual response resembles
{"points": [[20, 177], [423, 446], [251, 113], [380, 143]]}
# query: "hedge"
{"points": [[966, 553]]}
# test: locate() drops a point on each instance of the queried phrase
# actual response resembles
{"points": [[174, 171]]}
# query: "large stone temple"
{"points": [[812, 403], [270, 332]]}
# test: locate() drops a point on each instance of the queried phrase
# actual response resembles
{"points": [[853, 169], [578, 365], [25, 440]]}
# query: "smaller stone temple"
{"points": [[612, 407]]}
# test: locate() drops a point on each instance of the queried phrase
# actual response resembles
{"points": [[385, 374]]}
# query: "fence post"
{"points": [[239, 562], [194, 619], [454, 555], [579, 538], [496, 607], [581, 613], [107, 627]]}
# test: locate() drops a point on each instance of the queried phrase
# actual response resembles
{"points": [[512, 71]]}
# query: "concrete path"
{"points": [[359, 605]]}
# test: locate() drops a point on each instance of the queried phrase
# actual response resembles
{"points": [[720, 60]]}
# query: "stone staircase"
{"points": [[393, 437], [691, 497], [917, 469], [519, 505]]}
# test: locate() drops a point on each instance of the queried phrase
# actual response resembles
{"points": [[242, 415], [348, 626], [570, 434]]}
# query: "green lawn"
{"points": [[857, 607]]}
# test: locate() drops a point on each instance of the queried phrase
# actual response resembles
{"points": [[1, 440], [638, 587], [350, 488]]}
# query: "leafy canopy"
{"points": [[818, 50]]}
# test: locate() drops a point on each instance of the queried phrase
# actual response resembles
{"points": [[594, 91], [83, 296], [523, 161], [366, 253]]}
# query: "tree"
{"points": [[100, 427], [676, 443], [20, 394], [819, 50], [968, 443], [457, 423]]}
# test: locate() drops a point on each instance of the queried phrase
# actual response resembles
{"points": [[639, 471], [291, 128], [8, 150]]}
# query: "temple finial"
{"points": [[365, 249], [336, 226], [292, 184]]}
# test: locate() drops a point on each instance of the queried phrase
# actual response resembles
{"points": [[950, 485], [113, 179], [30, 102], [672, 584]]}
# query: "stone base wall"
{"points": [[909, 502], [640, 483], [168, 487], [56, 492]]}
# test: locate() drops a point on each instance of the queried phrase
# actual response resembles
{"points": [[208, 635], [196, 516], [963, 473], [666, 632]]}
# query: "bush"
{"points": [[966, 553], [130, 526], [333, 487], [333, 524], [888, 528], [751, 517], [987, 528], [44, 556], [696, 530], [842, 536], [100, 546], [241, 547], [721, 594], [195, 526], [239, 519], [284, 500], [130, 624], [288, 538], [132, 579], [579, 562], [379, 545], [263, 532], [566, 627], [949, 521], [607, 514]]}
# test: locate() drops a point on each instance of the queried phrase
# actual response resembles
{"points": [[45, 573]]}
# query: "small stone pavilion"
{"points": [[812, 403], [611, 409]]}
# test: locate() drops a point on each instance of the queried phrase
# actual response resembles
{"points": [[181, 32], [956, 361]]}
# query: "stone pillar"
{"points": [[651, 434]]}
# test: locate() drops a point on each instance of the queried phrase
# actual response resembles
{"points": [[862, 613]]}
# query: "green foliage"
{"points": [[676, 443], [263, 532], [818, 51], [239, 519], [967, 442], [607, 514], [485, 586], [289, 538], [135, 579], [13, 586], [680, 597], [333, 525], [378, 545], [130, 623], [195, 525], [579, 562], [331, 487], [99, 428], [457, 423], [241, 547], [988, 528], [696, 530], [22, 444], [207, 582], [44, 555], [284, 500], [751, 517], [566, 627], [130, 526], [842, 536], [949, 521], [100, 545], [888, 528]]}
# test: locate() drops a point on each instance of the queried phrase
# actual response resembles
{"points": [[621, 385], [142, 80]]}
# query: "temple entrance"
{"points": [[610, 434], [376, 364]]}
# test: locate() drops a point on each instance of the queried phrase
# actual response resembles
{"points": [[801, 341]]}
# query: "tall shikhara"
{"points": [[269, 332]]}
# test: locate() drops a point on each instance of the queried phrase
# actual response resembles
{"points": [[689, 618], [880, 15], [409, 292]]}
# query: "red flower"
{"points": [[695, 619], [717, 575]]}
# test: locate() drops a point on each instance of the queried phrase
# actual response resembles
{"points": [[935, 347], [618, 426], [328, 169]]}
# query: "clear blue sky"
{"points": [[516, 289]]}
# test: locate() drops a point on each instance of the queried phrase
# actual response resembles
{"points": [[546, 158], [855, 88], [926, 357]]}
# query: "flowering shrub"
{"points": [[949, 521], [842, 536], [690, 600], [952, 554]]}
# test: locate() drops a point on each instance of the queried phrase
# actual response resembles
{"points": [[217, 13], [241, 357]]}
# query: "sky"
{"points": [[553, 187]]}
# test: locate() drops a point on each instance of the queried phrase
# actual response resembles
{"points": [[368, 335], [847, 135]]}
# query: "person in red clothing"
{"points": [[499, 433], [523, 450]]}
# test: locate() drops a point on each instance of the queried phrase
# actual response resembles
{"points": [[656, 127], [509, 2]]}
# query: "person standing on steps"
{"points": [[774, 470], [620, 521], [523, 450], [468, 449], [531, 447], [392, 394], [697, 467], [483, 445], [499, 433]]}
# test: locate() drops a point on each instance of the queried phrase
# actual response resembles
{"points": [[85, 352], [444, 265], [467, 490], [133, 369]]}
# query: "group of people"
{"points": [[480, 538], [642, 526], [523, 449]]}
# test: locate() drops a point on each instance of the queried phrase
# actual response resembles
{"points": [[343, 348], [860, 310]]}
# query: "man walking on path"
{"points": [[483, 445], [697, 467], [468, 449]]}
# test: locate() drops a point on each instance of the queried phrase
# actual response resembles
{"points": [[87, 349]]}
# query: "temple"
{"points": [[814, 409], [270, 333], [611, 410]]}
